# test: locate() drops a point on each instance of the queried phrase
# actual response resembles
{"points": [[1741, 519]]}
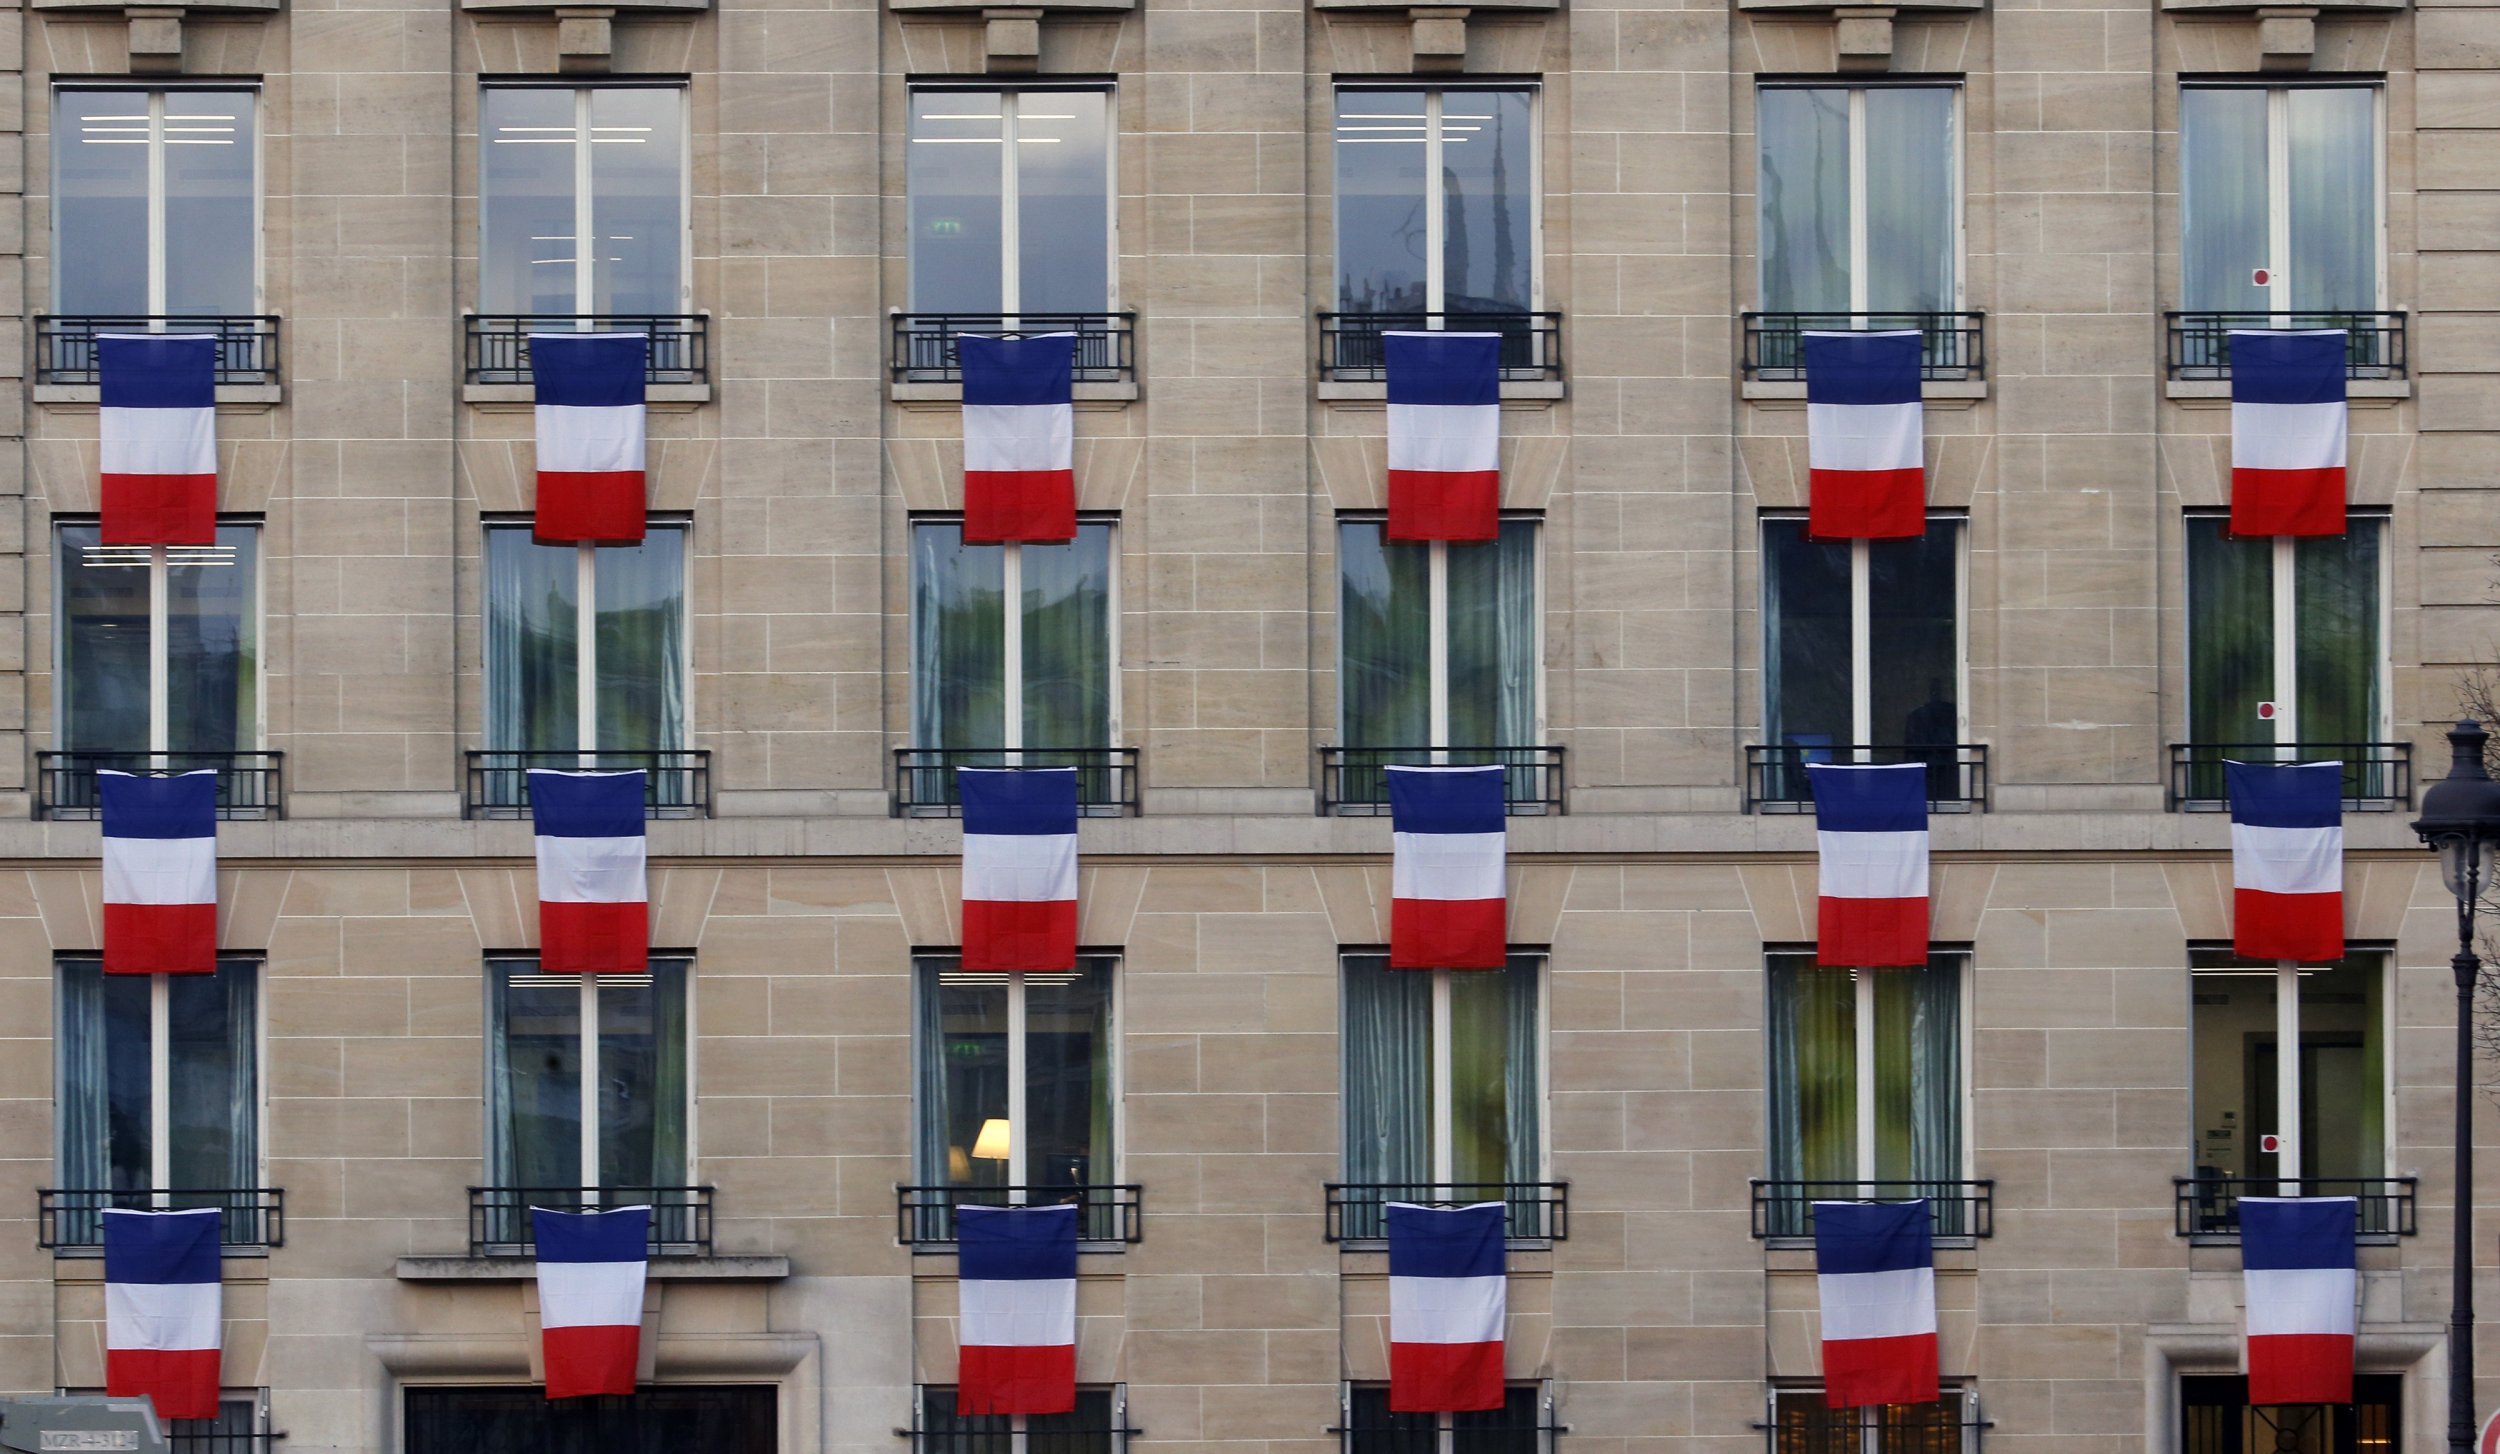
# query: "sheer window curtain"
{"points": [[958, 634], [1814, 1087], [1918, 1081], [1493, 639], [2335, 612], [2223, 227], [1388, 1079], [533, 643], [1803, 179], [1067, 640], [1384, 633], [1911, 204], [2230, 636], [213, 1059], [641, 630]]}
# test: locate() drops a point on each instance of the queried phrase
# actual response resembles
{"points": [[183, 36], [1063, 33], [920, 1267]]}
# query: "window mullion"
{"points": [[1010, 208], [160, 653], [1435, 205], [589, 1091], [1861, 647], [2279, 203], [1444, 1138], [1863, 1063], [585, 240], [1011, 648], [2284, 601], [1857, 210], [1437, 645], [2287, 1077], [160, 1086], [156, 209], [1016, 1106], [586, 650]]}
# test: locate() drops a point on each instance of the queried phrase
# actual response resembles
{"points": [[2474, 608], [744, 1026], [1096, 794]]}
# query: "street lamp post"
{"points": [[2461, 820]]}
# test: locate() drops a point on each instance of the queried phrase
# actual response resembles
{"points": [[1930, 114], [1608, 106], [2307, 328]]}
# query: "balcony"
{"points": [[924, 343], [1953, 347], [1776, 780], [1354, 781], [2378, 776], [1110, 1215], [69, 1221], [1533, 1211], [2208, 1207], [247, 344], [924, 777], [2198, 345], [499, 1216], [498, 344], [250, 785], [679, 783], [1350, 349], [1783, 1211]]}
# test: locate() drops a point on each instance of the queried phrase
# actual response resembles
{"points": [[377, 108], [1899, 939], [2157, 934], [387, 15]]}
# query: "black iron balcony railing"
{"points": [[247, 343], [2378, 776], [249, 784], [1953, 347], [924, 343], [1533, 1211], [1805, 1423], [1107, 1212], [500, 1225], [1776, 780], [1095, 1426], [71, 1219], [1783, 1210], [1354, 781], [924, 777], [2199, 344], [679, 784], [2208, 1207], [1525, 1424], [498, 344], [1350, 349]]}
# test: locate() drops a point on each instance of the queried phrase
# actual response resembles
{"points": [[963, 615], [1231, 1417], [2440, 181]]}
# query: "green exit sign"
{"points": [[945, 227]]}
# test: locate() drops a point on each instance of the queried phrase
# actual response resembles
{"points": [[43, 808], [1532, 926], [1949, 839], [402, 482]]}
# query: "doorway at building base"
{"points": [[518, 1419]]}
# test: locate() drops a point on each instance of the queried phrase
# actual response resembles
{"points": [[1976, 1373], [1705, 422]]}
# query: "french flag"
{"points": [[160, 872], [1019, 868], [2287, 431], [1447, 1297], [2298, 1261], [590, 436], [594, 899], [1447, 892], [157, 431], [591, 1269], [2287, 859], [1016, 1331], [1445, 435], [1865, 436], [1019, 438], [163, 1313], [1870, 830], [1875, 1271]]}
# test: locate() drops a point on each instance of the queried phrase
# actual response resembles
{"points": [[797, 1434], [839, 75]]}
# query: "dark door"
{"points": [[712, 1418], [2216, 1418]]}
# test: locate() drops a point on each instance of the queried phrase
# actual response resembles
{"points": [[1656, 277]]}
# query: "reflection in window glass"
{"points": [[155, 205], [1817, 1124], [2238, 1058], [582, 200], [1384, 622], [212, 653], [1494, 1116], [535, 1098], [1813, 190], [960, 169], [534, 640], [105, 1130], [1811, 675], [967, 1061], [1398, 213], [2335, 605], [2281, 181], [960, 631]]}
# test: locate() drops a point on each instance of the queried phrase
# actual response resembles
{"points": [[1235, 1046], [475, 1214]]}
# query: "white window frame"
{"points": [[1443, 1089], [586, 629], [160, 559], [1870, 1427], [2279, 182], [1436, 204], [1437, 608], [1011, 631], [1016, 983], [1859, 301], [161, 1074], [1862, 629], [1862, 1040], [1010, 219], [584, 290], [2287, 1032], [157, 92], [2283, 585], [586, 1054]]}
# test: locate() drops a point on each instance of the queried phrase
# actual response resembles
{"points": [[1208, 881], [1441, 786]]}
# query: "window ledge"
{"points": [[2216, 393], [1952, 394], [231, 398], [1527, 394], [1087, 398], [663, 1269], [521, 398]]}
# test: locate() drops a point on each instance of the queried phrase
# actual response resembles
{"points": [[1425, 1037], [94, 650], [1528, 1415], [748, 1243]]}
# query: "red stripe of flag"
{"points": [[602, 507], [158, 510], [1449, 933], [1019, 505], [1012, 934], [1870, 932], [160, 938], [182, 1381], [591, 1359], [1445, 505], [1866, 504], [2287, 502], [594, 938], [2286, 926], [1862, 1371], [1452, 1376], [2300, 1368], [1016, 1380]]}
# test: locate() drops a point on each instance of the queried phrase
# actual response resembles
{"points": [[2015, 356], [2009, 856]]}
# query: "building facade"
{"points": [[372, 204]]}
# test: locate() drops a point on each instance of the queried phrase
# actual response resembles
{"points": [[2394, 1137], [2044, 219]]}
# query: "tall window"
{"points": [[586, 645], [157, 648], [2285, 636], [2338, 1088], [1437, 198], [1437, 643], [582, 199], [1444, 1076], [1862, 639], [1017, 1084], [1011, 200], [2215, 1417], [1524, 1424], [155, 201], [1866, 1082], [1097, 1425], [157, 1087], [1035, 675], [2279, 198], [1804, 1422], [1860, 198], [589, 1086]]}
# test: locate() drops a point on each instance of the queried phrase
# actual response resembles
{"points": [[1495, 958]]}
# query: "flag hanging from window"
{"points": [[2287, 431], [1445, 435], [163, 1309], [156, 432], [1865, 436], [2287, 859], [1870, 830], [160, 872], [1875, 1272], [1448, 904], [1448, 1296], [1019, 438], [591, 1270], [590, 437], [2299, 1268], [594, 898], [1016, 1325], [1019, 868]]}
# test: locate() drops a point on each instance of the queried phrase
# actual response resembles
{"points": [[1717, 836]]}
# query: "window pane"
{"points": [[1805, 633], [637, 199], [1067, 641], [1063, 188], [212, 653], [641, 627], [1910, 202], [100, 201], [958, 636], [533, 647], [2334, 196], [1384, 681], [101, 680], [952, 175], [2222, 198], [1488, 201], [654, 1419], [102, 1065], [643, 1092], [962, 1078], [1914, 667], [2336, 650], [1804, 182], [1084, 1430], [1494, 1091], [2238, 1057], [1388, 1075], [2230, 633], [212, 223], [1493, 639], [1814, 1076], [1918, 1074], [1068, 1094], [534, 1090], [1381, 233], [526, 248], [215, 1085]]}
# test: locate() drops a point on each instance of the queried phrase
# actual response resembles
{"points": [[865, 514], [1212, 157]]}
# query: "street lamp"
{"points": [[2461, 820]]}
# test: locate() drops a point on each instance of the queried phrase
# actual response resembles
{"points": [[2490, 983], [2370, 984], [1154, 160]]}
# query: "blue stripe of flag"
{"points": [[1443, 368], [2283, 366], [1032, 802], [1445, 1241], [590, 370], [586, 804], [2279, 1234], [181, 806], [1037, 370], [1446, 799], [156, 371], [622, 1235], [1015, 1244], [1861, 368], [1872, 1237], [2286, 795], [1866, 799], [162, 1247]]}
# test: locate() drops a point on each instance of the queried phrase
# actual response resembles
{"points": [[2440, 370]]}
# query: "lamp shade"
{"points": [[991, 1144], [2461, 812]]}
